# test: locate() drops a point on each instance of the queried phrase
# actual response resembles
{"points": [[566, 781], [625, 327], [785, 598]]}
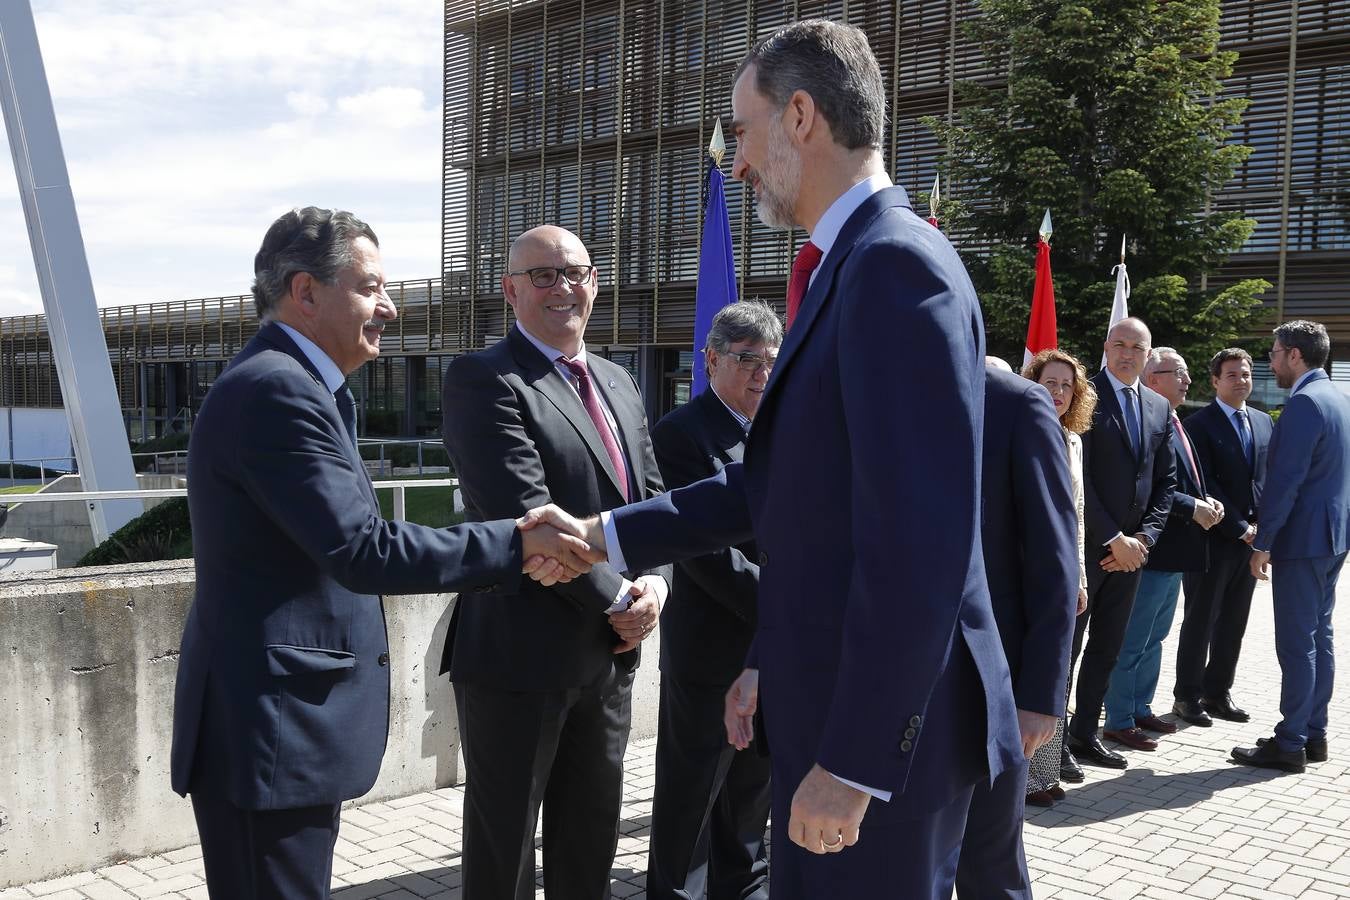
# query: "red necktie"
{"points": [[807, 259], [592, 404], [1186, 442]]}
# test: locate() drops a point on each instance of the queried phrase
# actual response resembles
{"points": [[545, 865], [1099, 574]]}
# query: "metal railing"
{"points": [[420, 443], [398, 487]]}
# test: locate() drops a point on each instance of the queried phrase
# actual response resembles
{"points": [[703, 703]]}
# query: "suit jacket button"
{"points": [[763, 558], [915, 721], [383, 659], [909, 733], [905, 746]]}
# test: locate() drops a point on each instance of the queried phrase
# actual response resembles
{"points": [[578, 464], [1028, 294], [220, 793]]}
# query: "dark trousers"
{"points": [[275, 854], [711, 803], [1304, 598], [993, 861], [1217, 605], [1110, 599], [561, 751]]}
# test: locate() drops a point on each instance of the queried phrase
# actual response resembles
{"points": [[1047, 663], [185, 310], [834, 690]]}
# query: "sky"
{"points": [[189, 126]]}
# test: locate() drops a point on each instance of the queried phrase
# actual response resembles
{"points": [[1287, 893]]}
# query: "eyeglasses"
{"points": [[1179, 371], [547, 276], [1272, 353], [751, 362]]}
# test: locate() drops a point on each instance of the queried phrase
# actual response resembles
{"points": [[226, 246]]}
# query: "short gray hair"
{"points": [[1309, 338], [750, 320], [835, 65], [1155, 358], [313, 240]]}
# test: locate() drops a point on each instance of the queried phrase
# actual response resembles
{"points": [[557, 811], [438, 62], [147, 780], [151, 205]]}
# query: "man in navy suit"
{"points": [[884, 687], [1030, 538], [282, 703], [711, 801], [1304, 534], [1181, 548], [1230, 438], [1127, 493]]}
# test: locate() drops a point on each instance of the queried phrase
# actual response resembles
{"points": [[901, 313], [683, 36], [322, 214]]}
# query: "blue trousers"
{"points": [[993, 861], [1129, 693], [1305, 595]]}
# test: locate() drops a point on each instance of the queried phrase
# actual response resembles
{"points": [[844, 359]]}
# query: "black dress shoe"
{"points": [[1094, 752], [1315, 750], [1268, 755], [1069, 769], [1223, 708], [1193, 712]]}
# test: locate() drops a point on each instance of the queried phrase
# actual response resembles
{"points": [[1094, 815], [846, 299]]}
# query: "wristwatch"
{"points": [[1145, 540]]}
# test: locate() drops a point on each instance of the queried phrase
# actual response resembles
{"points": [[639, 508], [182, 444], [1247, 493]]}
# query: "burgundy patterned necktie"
{"points": [[592, 404], [808, 257]]}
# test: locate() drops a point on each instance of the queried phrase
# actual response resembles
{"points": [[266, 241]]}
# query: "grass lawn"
{"points": [[21, 489], [432, 506]]}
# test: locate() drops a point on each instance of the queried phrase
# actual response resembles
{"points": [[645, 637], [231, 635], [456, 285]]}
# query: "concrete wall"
{"points": [[88, 659], [67, 524]]}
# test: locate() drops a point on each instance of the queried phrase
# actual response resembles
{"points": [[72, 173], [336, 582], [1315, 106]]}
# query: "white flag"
{"points": [[1119, 306]]}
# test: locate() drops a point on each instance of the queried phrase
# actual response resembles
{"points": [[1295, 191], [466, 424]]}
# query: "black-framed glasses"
{"points": [[1275, 350], [753, 362], [547, 276], [1179, 371]]}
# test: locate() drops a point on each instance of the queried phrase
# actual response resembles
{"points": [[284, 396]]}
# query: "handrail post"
{"points": [[400, 509], [419, 458], [381, 459]]}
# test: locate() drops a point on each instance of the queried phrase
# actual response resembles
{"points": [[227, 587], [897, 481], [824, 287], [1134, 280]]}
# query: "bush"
{"points": [[174, 440], [404, 455], [163, 532]]}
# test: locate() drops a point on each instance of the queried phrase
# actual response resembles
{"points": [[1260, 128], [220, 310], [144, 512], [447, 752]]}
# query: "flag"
{"points": [[1119, 306], [1041, 330], [716, 271], [933, 200]]}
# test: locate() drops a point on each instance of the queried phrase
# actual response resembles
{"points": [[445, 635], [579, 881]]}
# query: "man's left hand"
{"points": [[1036, 729], [1260, 563], [826, 813], [635, 623]]}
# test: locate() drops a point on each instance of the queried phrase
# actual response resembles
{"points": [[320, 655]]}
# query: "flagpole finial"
{"points": [[1122, 249], [717, 147], [934, 197], [1046, 228]]}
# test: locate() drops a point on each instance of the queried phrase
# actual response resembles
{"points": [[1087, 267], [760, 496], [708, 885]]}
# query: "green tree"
{"points": [[1111, 116]]}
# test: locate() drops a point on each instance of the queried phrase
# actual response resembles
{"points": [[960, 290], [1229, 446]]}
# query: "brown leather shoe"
{"points": [[1043, 799], [1153, 723], [1134, 738]]}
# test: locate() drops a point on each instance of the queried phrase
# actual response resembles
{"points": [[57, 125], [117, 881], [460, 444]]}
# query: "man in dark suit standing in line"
{"points": [[1030, 537], [711, 802], [1181, 548], [281, 709], [543, 688], [884, 685], [1304, 534], [1127, 493], [1230, 438]]}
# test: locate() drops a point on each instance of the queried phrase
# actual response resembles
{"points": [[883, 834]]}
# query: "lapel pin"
{"points": [[612, 385]]}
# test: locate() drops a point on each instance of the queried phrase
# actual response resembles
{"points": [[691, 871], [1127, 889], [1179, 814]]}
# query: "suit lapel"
{"points": [[726, 431], [607, 377], [1106, 396], [822, 286], [542, 375]]}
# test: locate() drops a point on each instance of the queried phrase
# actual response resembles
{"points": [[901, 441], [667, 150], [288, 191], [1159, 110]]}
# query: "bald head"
{"points": [[551, 285], [544, 239], [1127, 346]]}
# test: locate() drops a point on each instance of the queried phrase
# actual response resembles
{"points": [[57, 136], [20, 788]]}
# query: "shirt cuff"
{"points": [[874, 792], [612, 549], [1104, 544], [622, 600]]}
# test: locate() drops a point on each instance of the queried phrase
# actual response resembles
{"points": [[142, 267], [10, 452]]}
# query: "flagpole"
{"points": [[1120, 302], [716, 286]]}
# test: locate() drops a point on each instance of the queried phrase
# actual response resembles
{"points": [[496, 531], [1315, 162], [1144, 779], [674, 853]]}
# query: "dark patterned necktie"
{"points": [[592, 403], [346, 405]]}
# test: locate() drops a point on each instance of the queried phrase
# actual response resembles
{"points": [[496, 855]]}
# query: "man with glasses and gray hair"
{"points": [[1304, 533], [543, 689], [711, 801]]}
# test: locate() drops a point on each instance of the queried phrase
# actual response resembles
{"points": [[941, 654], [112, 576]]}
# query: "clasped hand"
{"points": [[554, 552]]}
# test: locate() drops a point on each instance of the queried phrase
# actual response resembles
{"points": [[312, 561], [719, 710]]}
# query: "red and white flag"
{"points": [[1041, 331]]}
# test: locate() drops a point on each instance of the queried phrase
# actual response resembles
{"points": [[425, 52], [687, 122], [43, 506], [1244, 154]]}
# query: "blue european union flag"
{"points": [[716, 271]]}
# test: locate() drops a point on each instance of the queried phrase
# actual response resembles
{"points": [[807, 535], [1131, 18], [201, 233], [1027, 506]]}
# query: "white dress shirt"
{"points": [[1121, 399], [332, 376]]}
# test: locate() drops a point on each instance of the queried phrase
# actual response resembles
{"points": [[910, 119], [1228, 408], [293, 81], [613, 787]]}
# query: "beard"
{"points": [[1285, 380], [779, 182]]}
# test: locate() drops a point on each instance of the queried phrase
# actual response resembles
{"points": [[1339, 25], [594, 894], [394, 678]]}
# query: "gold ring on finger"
{"points": [[835, 845]]}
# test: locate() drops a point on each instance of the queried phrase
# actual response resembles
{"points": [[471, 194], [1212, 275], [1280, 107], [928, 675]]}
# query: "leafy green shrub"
{"points": [[163, 532], [173, 441]]}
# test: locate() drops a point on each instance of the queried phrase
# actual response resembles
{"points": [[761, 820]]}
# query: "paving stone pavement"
{"points": [[1182, 822]]}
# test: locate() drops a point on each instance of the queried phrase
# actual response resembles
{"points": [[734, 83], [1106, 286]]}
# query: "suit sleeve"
{"points": [[1164, 483], [1232, 525], [1287, 461], [1048, 529], [1100, 523], [725, 575], [498, 463], [913, 500], [686, 522], [293, 461]]}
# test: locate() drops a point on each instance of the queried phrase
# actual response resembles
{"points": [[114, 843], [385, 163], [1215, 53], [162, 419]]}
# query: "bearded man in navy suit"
{"points": [[884, 688]]}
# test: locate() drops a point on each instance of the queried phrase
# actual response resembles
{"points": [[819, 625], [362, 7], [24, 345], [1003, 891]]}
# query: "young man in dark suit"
{"points": [[711, 802], [543, 677], [1231, 439], [1181, 548], [281, 709], [1304, 535], [1128, 479], [884, 687]]}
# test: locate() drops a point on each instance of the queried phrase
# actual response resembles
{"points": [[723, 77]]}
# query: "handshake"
{"points": [[558, 547]]}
